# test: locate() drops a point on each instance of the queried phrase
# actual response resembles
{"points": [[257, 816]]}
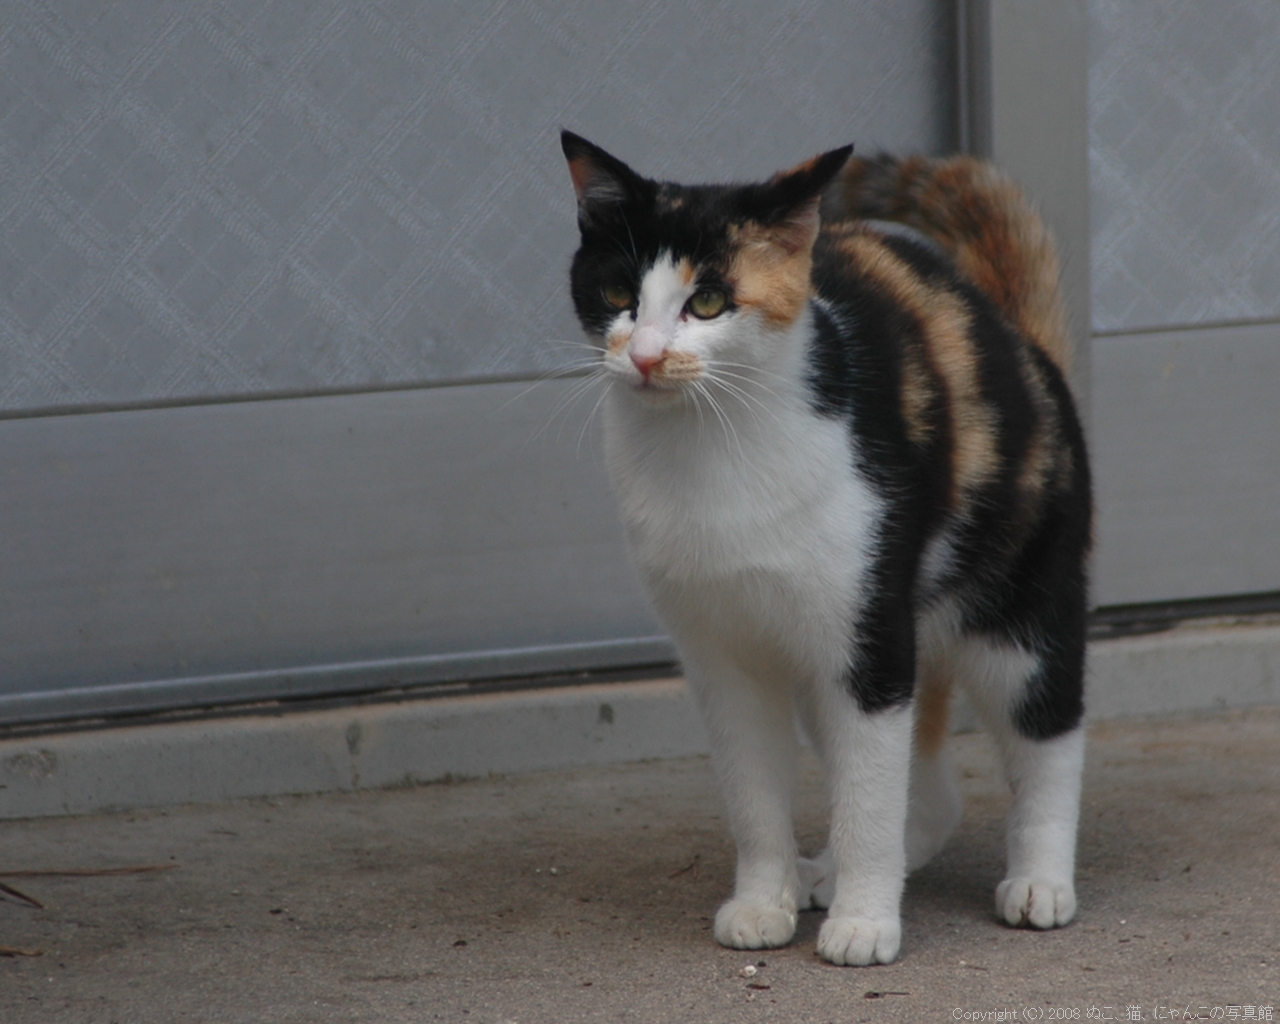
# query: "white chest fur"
{"points": [[750, 524]]}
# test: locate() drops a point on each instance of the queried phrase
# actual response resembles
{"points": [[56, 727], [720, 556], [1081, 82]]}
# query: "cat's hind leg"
{"points": [[1041, 744], [754, 750], [817, 880], [934, 807], [1039, 885]]}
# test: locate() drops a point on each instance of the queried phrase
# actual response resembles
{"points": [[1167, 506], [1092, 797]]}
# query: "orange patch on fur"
{"points": [[768, 275], [1040, 458], [685, 269], [617, 340], [984, 222], [678, 366], [1038, 463], [975, 458], [918, 395], [668, 201], [949, 348], [933, 711]]}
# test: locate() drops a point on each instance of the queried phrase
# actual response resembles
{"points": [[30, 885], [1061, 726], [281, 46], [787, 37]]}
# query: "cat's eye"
{"points": [[707, 303], [618, 296]]}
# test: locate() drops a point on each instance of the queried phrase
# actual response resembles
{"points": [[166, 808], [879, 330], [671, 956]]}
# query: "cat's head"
{"points": [[675, 279]]}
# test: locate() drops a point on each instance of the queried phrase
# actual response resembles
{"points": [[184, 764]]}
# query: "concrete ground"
{"points": [[587, 895]]}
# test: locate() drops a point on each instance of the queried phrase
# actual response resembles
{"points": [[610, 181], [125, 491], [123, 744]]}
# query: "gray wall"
{"points": [[253, 200], [1184, 115], [249, 198], [1184, 172]]}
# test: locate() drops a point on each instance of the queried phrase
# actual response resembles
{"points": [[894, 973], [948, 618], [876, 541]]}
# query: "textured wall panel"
{"points": [[1187, 428], [288, 196], [1184, 123], [254, 549]]}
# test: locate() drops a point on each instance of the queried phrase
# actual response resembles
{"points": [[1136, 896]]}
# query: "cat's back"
{"points": [[966, 209], [940, 335]]}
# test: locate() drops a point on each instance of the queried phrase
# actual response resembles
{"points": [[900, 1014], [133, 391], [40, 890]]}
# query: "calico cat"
{"points": [[851, 475]]}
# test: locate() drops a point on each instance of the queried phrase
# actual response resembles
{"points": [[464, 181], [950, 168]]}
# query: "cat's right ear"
{"points": [[599, 179]]}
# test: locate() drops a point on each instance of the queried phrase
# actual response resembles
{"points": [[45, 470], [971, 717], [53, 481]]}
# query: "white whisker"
{"points": [[730, 431], [752, 367], [727, 381], [576, 390], [690, 397], [752, 403], [592, 414], [582, 366]]}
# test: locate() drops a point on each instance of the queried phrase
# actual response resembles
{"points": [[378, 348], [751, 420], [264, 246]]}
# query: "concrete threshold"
{"points": [[1210, 665]]}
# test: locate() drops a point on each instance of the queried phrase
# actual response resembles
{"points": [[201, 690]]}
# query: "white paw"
{"points": [[859, 941], [1035, 902], [817, 880], [742, 925]]}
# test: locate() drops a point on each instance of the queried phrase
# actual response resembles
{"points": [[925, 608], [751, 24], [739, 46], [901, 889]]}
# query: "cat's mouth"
{"points": [[669, 373], [656, 392]]}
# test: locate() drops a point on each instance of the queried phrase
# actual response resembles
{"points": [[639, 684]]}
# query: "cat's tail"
{"points": [[983, 222]]}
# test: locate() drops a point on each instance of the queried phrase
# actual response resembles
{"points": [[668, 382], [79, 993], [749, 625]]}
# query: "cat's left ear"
{"points": [[599, 178], [790, 199]]}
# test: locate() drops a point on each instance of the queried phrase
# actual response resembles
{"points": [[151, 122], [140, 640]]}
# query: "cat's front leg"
{"points": [[753, 747], [868, 757]]}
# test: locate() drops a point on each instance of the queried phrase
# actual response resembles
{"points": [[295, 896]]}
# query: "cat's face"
{"points": [[681, 282]]}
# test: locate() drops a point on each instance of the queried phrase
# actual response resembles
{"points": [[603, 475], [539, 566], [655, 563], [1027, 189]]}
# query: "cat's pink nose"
{"points": [[646, 361]]}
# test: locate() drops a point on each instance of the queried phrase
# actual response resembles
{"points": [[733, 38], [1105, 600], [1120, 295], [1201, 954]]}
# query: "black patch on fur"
{"points": [[1042, 603], [1020, 584]]}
